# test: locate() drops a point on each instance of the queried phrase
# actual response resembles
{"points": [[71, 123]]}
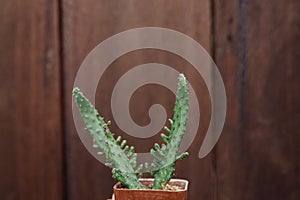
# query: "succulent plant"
{"points": [[122, 157]]}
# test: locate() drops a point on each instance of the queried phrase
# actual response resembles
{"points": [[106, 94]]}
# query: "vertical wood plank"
{"points": [[85, 24], [30, 103], [257, 51]]}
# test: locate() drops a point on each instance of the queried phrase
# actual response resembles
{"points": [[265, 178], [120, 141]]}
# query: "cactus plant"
{"points": [[122, 157]]}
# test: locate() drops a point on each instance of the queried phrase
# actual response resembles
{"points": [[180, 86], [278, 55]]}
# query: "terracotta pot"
{"points": [[127, 194]]}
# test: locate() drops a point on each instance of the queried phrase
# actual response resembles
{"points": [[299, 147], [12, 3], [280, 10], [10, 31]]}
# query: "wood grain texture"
{"points": [[85, 24], [257, 50], [30, 103], [256, 45]]}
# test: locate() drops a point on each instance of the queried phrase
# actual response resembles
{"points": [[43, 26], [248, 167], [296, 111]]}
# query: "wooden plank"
{"points": [[257, 51], [88, 23], [30, 103]]}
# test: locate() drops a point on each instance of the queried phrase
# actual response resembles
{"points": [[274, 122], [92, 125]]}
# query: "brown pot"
{"points": [[127, 194]]}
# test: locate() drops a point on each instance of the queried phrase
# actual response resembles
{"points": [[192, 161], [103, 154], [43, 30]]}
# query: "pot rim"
{"points": [[186, 182]]}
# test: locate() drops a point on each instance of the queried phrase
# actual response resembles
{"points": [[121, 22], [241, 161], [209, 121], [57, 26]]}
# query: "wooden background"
{"points": [[255, 43]]}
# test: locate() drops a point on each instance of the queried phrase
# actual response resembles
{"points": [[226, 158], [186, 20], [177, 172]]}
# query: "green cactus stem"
{"points": [[165, 157], [119, 156]]}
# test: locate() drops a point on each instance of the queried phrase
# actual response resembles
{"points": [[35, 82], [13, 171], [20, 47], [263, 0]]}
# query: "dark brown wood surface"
{"points": [[256, 45], [257, 50], [30, 103]]}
